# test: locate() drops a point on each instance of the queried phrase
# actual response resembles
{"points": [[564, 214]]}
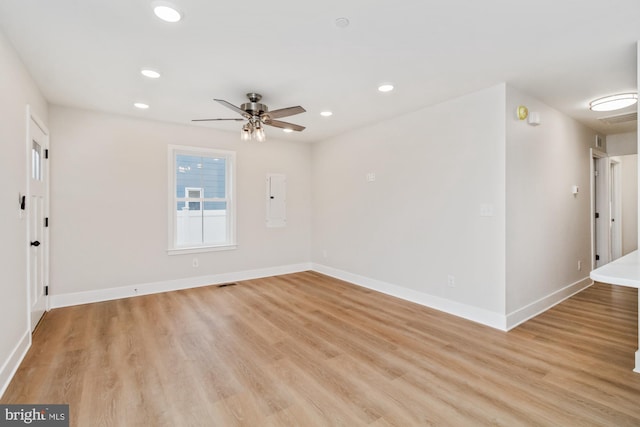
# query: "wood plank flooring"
{"points": [[308, 350]]}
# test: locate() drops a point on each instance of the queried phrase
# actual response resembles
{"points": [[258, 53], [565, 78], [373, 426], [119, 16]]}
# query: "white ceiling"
{"points": [[88, 54]]}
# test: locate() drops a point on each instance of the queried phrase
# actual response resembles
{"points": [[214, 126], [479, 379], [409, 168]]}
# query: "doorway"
{"points": [[599, 209], [37, 207], [614, 184]]}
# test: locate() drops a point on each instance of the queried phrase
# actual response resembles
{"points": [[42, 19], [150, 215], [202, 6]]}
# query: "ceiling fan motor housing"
{"points": [[254, 107]]}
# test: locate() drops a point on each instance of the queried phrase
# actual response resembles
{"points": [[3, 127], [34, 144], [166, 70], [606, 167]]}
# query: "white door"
{"points": [[37, 206]]}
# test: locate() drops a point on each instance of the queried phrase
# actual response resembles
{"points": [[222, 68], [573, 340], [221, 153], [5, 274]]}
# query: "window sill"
{"points": [[200, 249]]}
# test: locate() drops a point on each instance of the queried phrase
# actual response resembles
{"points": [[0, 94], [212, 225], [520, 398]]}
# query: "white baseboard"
{"points": [[475, 314], [637, 368], [12, 364], [77, 298], [479, 315], [543, 304]]}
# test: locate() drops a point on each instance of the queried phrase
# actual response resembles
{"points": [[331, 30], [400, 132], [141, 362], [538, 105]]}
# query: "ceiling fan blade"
{"points": [[215, 120], [285, 125], [233, 107], [285, 112]]}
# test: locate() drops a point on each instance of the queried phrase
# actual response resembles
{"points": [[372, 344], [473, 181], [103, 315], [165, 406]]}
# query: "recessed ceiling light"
{"points": [[614, 102], [287, 130], [141, 105], [326, 113], [167, 13], [152, 74], [385, 88]]}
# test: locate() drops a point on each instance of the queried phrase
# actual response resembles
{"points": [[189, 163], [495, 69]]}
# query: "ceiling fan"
{"points": [[257, 115]]}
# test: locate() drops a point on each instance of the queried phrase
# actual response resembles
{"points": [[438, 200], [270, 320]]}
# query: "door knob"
{"points": [[36, 243]]}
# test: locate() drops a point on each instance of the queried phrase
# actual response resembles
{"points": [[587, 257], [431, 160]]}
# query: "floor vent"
{"points": [[227, 284], [620, 118]]}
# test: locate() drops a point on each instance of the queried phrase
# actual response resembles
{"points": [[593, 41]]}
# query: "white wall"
{"points": [[622, 144], [629, 201], [18, 90], [106, 167], [548, 229], [419, 221]]}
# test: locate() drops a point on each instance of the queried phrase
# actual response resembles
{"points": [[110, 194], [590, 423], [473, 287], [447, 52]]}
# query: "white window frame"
{"points": [[230, 191]]}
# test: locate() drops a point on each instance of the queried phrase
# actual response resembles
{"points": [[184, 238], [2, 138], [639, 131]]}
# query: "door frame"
{"points": [[600, 235], [32, 117], [615, 203]]}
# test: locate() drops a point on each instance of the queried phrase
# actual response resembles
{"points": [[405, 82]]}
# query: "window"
{"points": [[201, 202], [36, 162]]}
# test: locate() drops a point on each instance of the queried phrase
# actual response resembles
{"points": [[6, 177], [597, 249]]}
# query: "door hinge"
{"points": [[597, 257], [597, 215], [46, 290], [596, 173], [46, 153], [46, 222]]}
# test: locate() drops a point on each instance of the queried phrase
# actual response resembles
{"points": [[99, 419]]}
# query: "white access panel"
{"points": [[276, 200]]}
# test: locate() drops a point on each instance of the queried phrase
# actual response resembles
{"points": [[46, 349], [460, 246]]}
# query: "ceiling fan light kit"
{"points": [[257, 116]]}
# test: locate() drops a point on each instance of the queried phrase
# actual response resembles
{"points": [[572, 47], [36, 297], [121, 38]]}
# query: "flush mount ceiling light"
{"points": [[326, 114], [141, 105], [148, 72], [385, 87], [166, 12], [613, 102]]}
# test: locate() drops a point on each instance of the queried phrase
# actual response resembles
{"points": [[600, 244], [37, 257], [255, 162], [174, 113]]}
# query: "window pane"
{"points": [[36, 163], [189, 227], [215, 206], [196, 227], [214, 177], [187, 173], [215, 224], [199, 220], [207, 173]]}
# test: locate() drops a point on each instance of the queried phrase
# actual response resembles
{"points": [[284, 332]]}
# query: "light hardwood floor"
{"points": [[308, 350]]}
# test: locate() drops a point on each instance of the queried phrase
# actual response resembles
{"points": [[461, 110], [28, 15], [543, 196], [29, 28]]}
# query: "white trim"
{"points": [[637, 368], [77, 298], [600, 234], [475, 314], [545, 303], [200, 249], [10, 367], [615, 205]]}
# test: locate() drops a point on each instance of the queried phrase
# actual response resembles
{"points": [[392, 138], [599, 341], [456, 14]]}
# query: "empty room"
{"points": [[341, 213]]}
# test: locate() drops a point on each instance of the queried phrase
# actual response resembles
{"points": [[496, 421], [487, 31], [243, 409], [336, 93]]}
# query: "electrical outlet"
{"points": [[579, 264], [486, 209], [451, 281], [195, 263]]}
